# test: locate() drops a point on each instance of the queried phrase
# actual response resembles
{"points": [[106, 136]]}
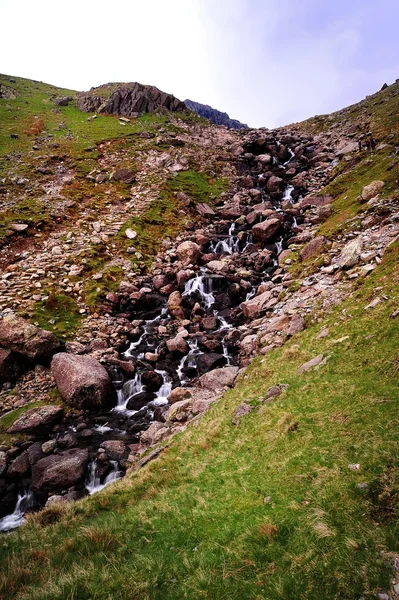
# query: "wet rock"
{"points": [[140, 400], [253, 308], [350, 254], [207, 362], [37, 420], [370, 191], [20, 336], [61, 471], [152, 380], [219, 378], [179, 394], [312, 248], [241, 410], [177, 345], [188, 252], [82, 381], [209, 322], [20, 466], [115, 449], [262, 232]]}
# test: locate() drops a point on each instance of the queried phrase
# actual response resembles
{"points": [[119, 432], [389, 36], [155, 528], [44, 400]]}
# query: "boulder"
{"points": [[152, 380], [371, 190], [178, 345], [274, 184], [159, 281], [115, 449], [262, 232], [188, 252], [350, 254], [11, 365], [219, 378], [312, 248], [37, 420], [179, 394], [241, 410], [82, 381], [253, 308], [154, 434], [20, 466], [61, 471], [20, 336], [3, 462], [174, 305], [137, 401], [179, 411], [208, 361]]}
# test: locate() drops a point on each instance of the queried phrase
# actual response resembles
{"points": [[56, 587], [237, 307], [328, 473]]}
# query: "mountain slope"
{"points": [[287, 486], [216, 116]]}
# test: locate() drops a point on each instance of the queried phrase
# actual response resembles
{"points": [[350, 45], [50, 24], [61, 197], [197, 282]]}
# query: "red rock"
{"points": [[61, 471], [312, 248], [33, 342], [264, 231], [82, 381], [188, 252], [36, 420]]}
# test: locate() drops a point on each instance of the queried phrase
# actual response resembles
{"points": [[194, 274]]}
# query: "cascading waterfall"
{"points": [[288, 193], [93, 483], [202, 284], [15, 519]]}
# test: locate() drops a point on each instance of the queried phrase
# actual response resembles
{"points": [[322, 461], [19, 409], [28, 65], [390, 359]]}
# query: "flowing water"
{"points": [[25, 501]]}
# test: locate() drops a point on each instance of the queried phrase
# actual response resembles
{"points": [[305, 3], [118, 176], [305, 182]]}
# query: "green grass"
{"points": [[94, 291], [59, 314], [194, 523]]}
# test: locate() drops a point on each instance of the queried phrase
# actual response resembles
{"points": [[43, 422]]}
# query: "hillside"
{"points": [[240, 291]]}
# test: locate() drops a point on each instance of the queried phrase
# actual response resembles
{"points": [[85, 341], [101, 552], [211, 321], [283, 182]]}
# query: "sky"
{"points": [[265, 62]]}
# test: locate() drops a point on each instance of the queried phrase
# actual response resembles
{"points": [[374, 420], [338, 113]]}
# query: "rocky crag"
{"points": [[173, 253], [215, 116]]}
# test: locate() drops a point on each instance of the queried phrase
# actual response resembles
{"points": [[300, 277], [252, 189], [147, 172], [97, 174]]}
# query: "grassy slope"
{"points": [[194, 523]]}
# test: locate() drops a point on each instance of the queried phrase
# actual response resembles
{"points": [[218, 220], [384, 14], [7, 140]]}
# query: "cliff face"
{"points": [[216, 116], [127, 99]]}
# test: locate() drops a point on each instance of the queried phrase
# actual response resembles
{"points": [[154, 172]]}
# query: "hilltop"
{"points": [[240, 290], [214, 115]]}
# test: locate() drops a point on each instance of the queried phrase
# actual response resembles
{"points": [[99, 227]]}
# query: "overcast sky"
{"points": [[265, 62]]}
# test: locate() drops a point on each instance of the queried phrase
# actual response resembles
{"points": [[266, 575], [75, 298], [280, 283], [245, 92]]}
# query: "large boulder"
{"points": [[37, 420], [175, 305], [33, 342], [371, 190], [274, 184], [264, 231], [350, 254], [61, 471], [82, 381], [188, 252], [219, 378], [253, 308]]}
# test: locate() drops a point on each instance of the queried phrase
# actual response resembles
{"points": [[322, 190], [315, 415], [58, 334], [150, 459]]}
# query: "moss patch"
{"points": [[59, 314]]}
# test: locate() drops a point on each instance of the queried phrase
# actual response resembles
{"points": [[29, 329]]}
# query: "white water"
{"points": [[199, 284], [164, 391], [93, 483], [131, 387], [102, 428], [250, 240], [189, 360], [288, 193], [292, 155], [129, 353], [17, 518], [279, 245]]}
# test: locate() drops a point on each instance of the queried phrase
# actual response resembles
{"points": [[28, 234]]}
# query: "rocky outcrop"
{"points": [[26, 339], [264, 231], [127, 99], [61, 471], [82, 381], [216, 116]]}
